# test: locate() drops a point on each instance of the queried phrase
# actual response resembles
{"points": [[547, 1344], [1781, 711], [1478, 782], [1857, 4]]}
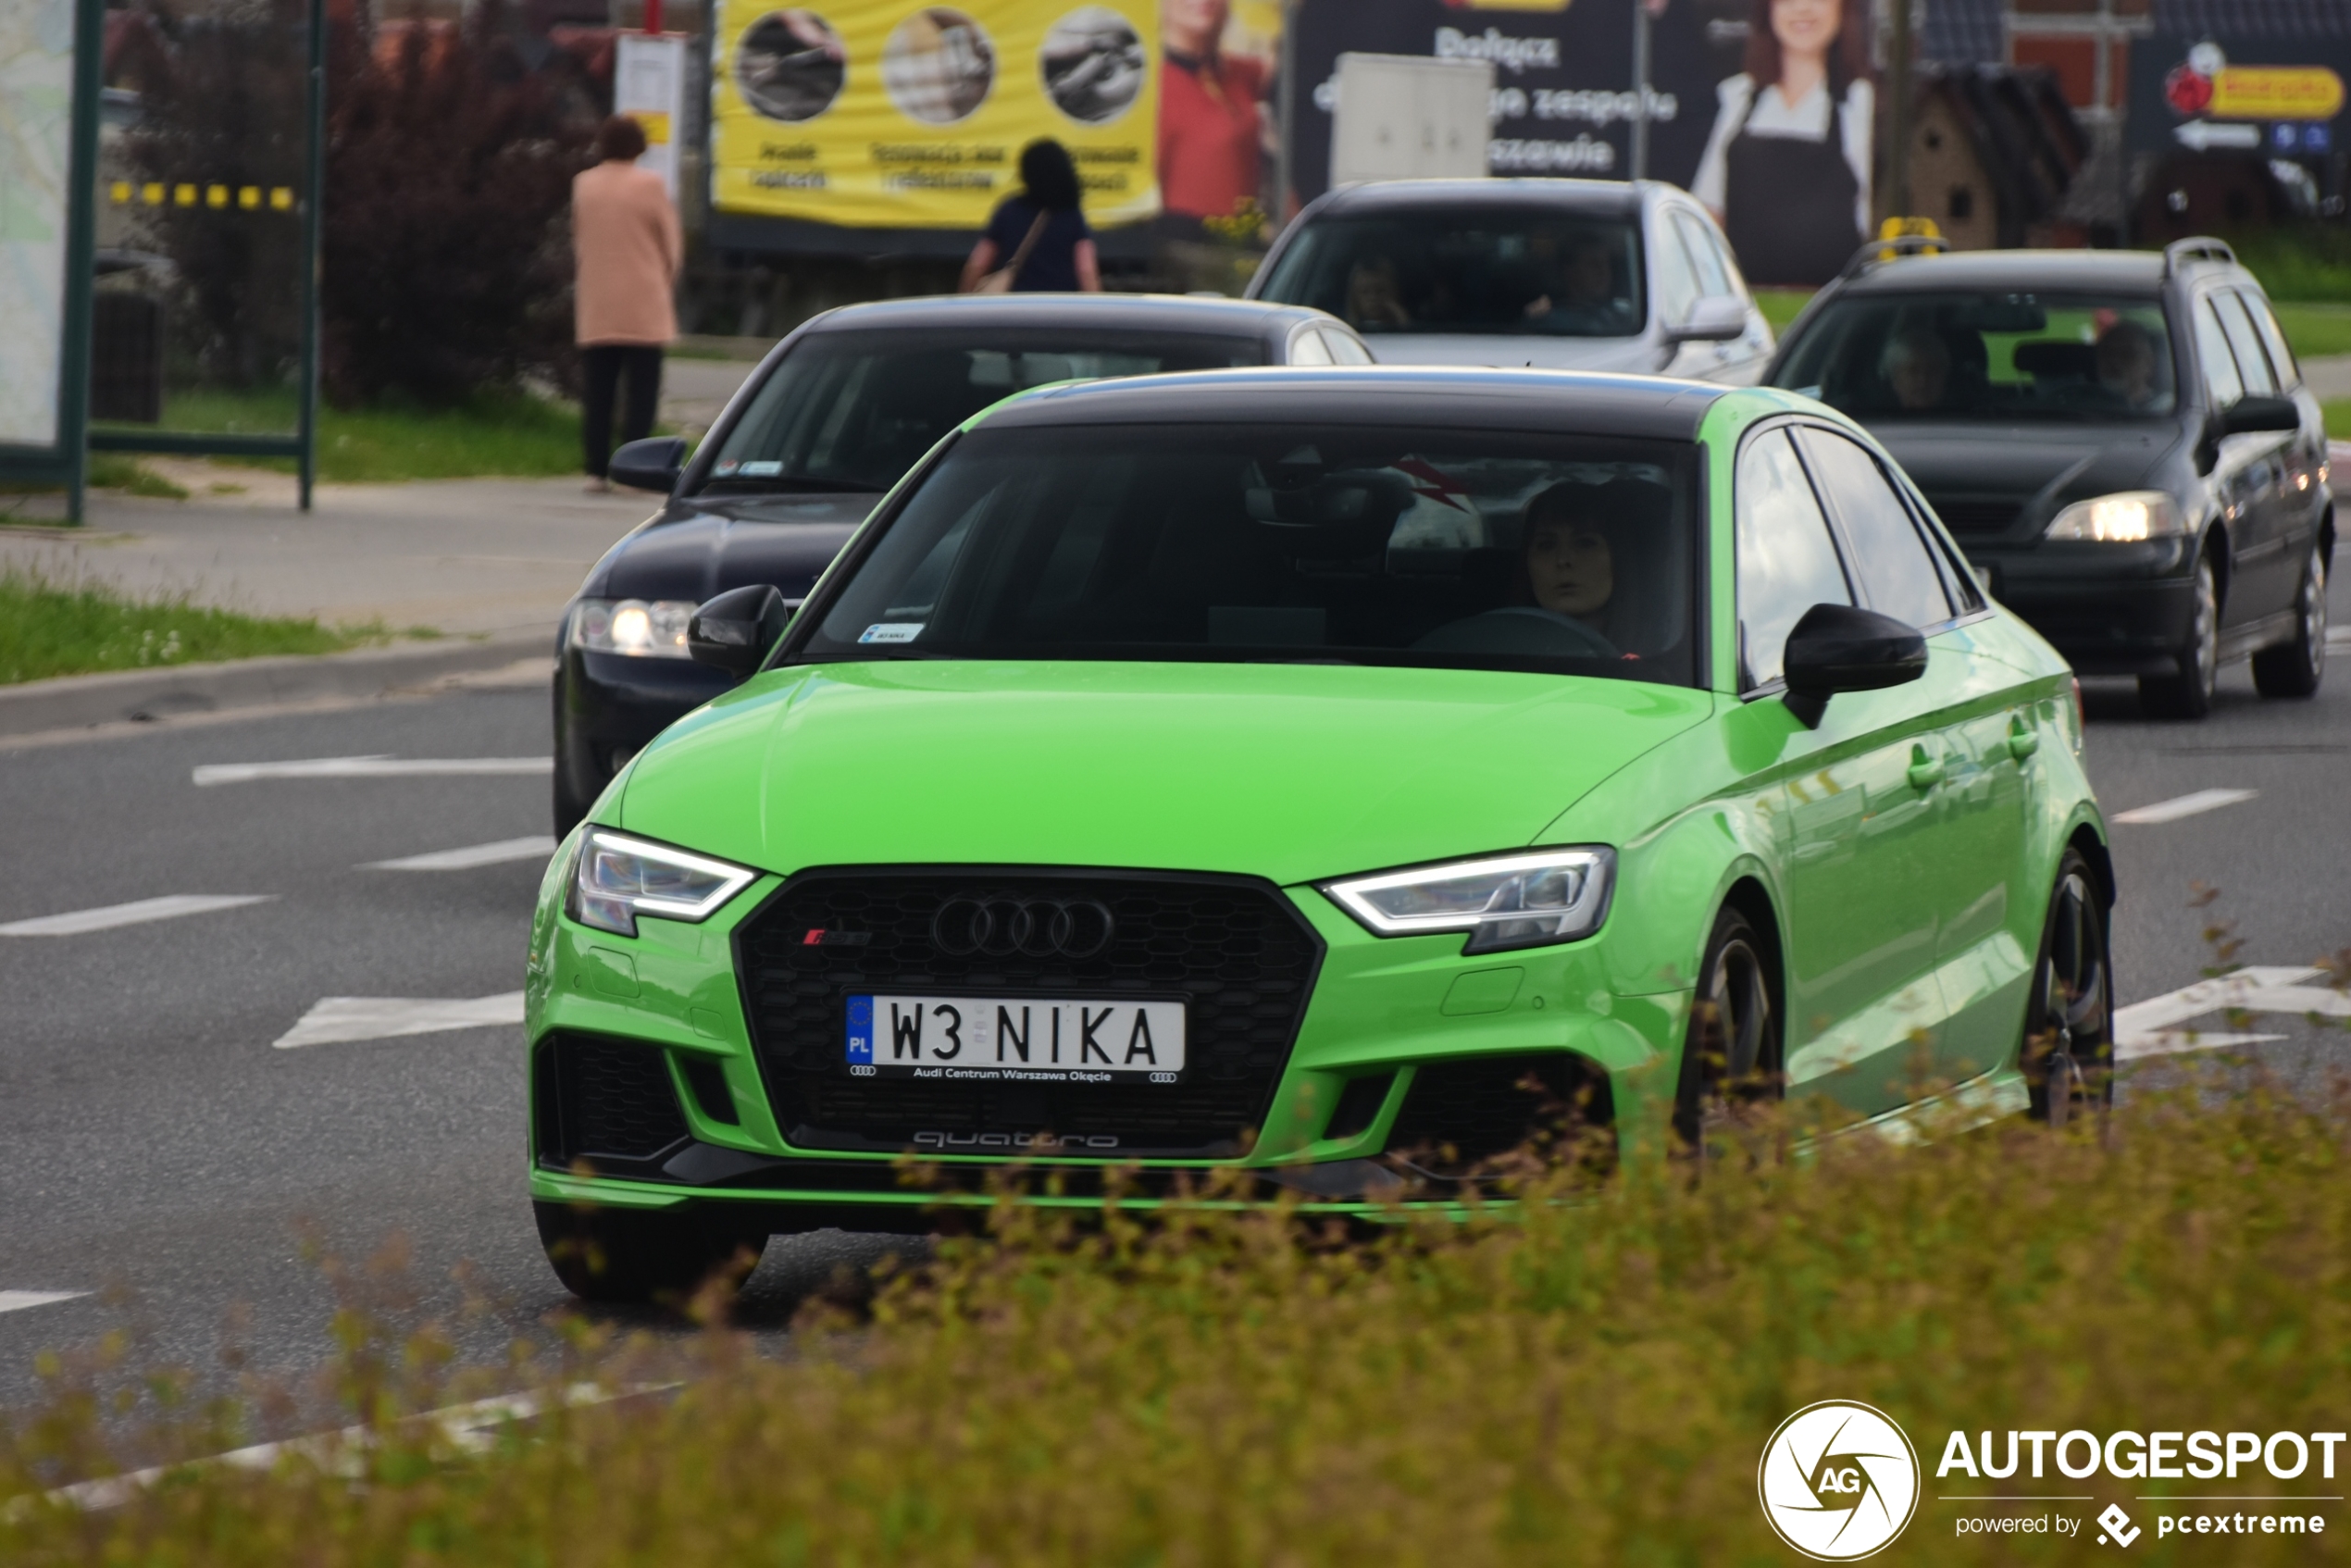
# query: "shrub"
{"points": [[446, 265], [1592, 1382]]}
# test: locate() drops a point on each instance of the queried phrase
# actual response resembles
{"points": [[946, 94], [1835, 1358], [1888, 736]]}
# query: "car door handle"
{"points": [[1926, 772], [2023, 740]]}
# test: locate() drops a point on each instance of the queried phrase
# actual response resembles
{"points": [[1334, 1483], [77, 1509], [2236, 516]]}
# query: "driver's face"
{"points": [[1589, 276], [1572, 569]]}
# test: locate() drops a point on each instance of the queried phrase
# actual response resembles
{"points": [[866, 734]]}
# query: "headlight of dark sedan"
{"points": [[642, 629]]}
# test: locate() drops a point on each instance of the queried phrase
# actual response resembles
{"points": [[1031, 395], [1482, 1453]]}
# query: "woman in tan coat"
{"points": [[626, 241]]}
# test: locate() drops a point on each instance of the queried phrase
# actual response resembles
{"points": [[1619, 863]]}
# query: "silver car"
{"points": [[1559, 274]]}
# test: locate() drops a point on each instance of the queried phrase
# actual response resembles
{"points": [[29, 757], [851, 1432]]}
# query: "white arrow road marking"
{"points": [[367, 767], [340, 1019], [16, 1301], [539, 846], [2151, 1027], [135, 913], [2186, 806]]}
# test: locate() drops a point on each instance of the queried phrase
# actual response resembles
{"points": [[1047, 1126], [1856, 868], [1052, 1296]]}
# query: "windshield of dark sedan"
{"points": [[1987, 356], [1285, 544], [854, 410], [1448, 271]]}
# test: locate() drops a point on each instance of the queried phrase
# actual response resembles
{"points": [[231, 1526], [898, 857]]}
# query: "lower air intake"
{"points": [[604, 1099]]}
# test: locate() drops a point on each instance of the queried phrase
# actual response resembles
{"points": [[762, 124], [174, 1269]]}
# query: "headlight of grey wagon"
{"points": [[1503, 901], [2125, 517], [615, 879]]}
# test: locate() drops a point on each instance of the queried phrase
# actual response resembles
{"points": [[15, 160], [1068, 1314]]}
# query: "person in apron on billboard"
{"points": [[1786, 169]]}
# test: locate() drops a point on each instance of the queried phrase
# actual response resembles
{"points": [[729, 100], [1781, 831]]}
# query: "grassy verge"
{"points": [[1781, 306], [2338, 412], [2315, 328], [48, 627], [1592, 1384], [510, 434]]}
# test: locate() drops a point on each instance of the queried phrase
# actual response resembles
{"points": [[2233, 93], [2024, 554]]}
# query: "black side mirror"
{"points": [[734, 632], [1839, 648], [2248, 415], [654, 463]]}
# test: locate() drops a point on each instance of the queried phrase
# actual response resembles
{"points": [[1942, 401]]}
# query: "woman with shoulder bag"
{"points": [[1038, 240]]}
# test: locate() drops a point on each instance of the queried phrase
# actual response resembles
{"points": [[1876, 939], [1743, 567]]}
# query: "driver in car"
{"points": [[1917, 368], [2126, 363], [1571, 558]]}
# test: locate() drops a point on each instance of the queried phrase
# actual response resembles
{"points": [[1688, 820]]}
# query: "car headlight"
{"points": [[1505, 902], [643, 629], [2124, 517], [614, 878]]}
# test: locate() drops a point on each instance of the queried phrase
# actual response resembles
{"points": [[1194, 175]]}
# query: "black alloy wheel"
{"points": [[2294, 667], [1731, 1057], [2068, 1050], [635, 1256], [2189, 694]]}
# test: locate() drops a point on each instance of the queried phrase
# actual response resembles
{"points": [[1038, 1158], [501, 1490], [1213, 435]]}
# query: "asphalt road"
{"points": [[166, 1158]]}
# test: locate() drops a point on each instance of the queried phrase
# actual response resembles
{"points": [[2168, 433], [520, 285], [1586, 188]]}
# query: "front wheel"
{"points": [[2294, 667], [2189, 694], [1731, 1056], [632, 1255], [2068, 1050]]}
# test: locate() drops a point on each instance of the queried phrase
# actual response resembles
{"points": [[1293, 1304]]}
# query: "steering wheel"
{"points": [[1523, 630]]}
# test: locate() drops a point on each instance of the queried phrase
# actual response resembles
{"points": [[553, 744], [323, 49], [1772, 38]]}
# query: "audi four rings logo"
{"points": [[1002, 926]]}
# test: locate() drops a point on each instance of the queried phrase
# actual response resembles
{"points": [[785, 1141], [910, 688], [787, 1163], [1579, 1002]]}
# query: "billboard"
{"points": [[1765, 109], [891, 114], [2273, 97], [36, 83]]}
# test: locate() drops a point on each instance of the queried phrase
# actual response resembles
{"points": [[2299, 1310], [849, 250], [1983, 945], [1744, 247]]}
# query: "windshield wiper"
{"points": [[798, 484]]}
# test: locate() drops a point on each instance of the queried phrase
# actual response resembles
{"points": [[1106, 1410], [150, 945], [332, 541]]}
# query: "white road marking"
{"points": [[539, 846], [2151, 1027], [341, 1019], [368, 767], [2186, 806], [135, 913], [16, 1301], [470, 1427]]}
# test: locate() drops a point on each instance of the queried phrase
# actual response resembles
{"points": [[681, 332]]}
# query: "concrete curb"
{"points": [[78, 701]]}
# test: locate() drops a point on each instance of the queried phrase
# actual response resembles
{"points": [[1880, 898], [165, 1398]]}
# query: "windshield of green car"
{"points": [[1284, 544], [854, 410], [1992, 356], [1532, 272]]}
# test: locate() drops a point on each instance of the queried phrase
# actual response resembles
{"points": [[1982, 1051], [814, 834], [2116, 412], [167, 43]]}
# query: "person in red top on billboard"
{"points": [[1210, 127]]}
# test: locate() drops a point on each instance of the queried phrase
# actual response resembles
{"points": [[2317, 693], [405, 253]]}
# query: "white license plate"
{"points": [[984, 1038]]}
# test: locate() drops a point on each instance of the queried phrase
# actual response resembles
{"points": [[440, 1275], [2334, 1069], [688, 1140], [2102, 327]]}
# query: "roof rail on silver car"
{"points": [[1901, 244], [2197, 247]]}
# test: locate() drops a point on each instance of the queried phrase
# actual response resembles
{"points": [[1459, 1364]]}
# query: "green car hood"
{"points": [[1286, 771]]}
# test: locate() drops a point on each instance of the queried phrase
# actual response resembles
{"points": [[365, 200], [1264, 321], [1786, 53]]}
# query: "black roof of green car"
{"points": [[1562, 402]]}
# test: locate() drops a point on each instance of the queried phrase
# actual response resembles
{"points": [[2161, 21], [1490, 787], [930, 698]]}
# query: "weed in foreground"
{"points": [[1583, 1380]]}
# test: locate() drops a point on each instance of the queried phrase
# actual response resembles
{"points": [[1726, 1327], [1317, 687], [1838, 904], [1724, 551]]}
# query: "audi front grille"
{"points": [[1233, 948]]}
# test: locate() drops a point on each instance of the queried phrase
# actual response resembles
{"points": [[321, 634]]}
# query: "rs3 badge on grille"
{"points": [[984, 1038]]}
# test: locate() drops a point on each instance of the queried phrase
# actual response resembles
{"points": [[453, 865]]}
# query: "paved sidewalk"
{"points": [[2328, 375], [458, 555]]}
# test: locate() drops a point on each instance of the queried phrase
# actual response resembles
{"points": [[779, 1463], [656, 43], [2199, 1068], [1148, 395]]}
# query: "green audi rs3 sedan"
{"points": [[1335, 775]]}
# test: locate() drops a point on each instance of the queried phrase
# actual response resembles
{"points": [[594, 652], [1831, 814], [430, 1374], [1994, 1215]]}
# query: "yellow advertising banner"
{"points": [[2276, 93], [905, 116]]}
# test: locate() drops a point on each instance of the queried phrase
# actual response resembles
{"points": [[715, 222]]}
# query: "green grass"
{"points": [[1593, 1383], [2338, 412], [2315, 328], [1781, 306], [510, 434], [51, 627]]}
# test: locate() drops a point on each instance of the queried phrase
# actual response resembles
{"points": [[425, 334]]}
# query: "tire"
{"points": [[2189, 694], [631, 1255], [2067, 1047], [1731, 1056], [2295, 667]]}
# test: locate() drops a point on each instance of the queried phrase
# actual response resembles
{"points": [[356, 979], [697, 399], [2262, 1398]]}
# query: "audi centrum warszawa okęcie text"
{"points": [[1329, 774]]}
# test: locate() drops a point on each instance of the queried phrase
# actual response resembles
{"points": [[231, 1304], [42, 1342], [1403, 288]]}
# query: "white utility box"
{"points": [[1409, 116]]}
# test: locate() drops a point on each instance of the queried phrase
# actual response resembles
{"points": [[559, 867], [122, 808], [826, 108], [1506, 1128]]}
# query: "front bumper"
{"points": [[608, 706], [1396, 1036], [2109, 609]]}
